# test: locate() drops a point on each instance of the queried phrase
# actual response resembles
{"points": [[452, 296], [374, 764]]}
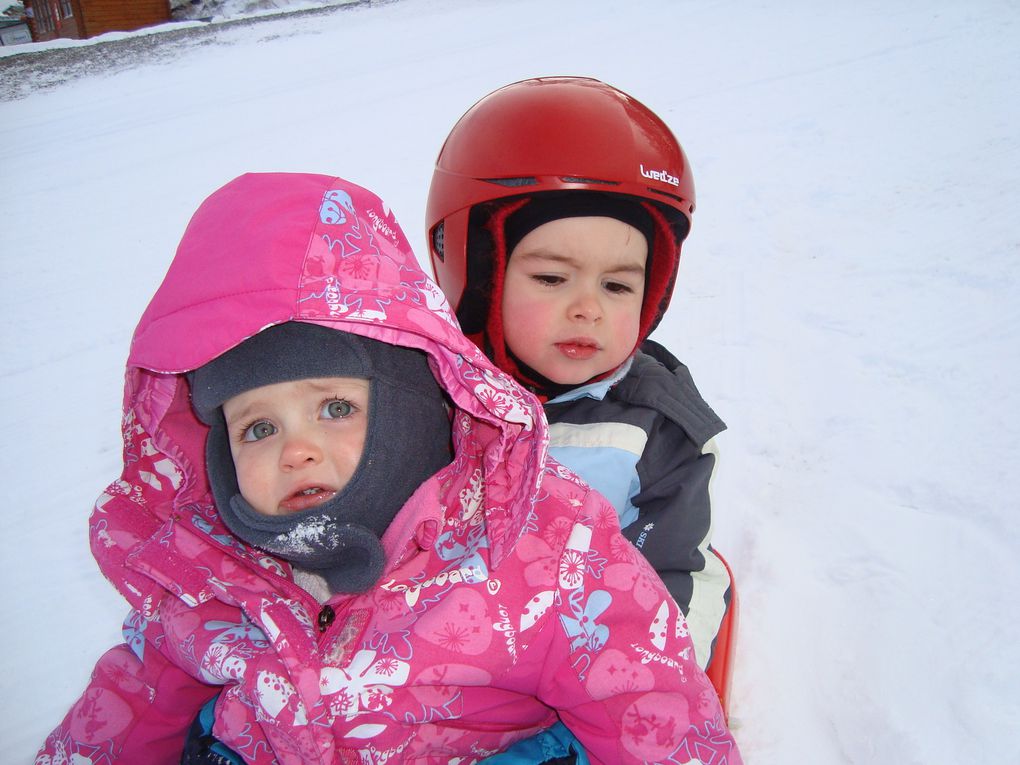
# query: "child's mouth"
{"points": [[306, 498], [580, 350]]}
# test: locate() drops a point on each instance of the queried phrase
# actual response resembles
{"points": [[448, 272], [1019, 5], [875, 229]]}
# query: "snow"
{"points": [[848, 302], [219, 10]]}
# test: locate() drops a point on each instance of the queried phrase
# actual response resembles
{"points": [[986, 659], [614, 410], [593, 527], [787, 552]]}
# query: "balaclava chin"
{"points": [[407, 441]]}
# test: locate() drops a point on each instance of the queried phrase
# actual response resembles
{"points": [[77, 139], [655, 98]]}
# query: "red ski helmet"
{"points": [[555, 134]]}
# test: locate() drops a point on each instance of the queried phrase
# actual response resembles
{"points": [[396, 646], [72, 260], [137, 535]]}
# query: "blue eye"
{"points": [[336, 409], [258, 430]]}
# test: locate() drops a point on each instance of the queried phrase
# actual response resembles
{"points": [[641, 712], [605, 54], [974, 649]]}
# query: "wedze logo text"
{"points": [[660, 175]]}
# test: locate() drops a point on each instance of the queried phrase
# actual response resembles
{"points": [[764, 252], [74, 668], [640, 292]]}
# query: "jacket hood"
{"points": [[447, 657], [277, 247]]}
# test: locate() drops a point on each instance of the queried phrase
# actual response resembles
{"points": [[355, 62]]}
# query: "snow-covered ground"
{"points": [[219, 10], [848, 301]]}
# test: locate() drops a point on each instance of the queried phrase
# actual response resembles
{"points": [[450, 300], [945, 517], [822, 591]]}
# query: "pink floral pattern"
{"points": [[509, 599]]}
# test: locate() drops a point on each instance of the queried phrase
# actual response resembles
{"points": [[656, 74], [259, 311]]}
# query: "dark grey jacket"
{"points": [[641, 440]]}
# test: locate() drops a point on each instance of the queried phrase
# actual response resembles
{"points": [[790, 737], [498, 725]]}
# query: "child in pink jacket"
{"points": [[337, 523]]}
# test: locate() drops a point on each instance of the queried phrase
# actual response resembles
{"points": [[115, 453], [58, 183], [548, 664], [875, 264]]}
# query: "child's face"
{"points": [[296, 444], [572, 297]]}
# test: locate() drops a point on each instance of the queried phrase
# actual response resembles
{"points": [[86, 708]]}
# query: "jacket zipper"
{"points": [[326, 617]]}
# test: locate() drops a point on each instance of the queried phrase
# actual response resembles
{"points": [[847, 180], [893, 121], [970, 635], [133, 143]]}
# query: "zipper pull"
{"points": [[326, 617]]}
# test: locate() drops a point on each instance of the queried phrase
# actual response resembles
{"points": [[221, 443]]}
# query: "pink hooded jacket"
{"points": [[510, 597]]}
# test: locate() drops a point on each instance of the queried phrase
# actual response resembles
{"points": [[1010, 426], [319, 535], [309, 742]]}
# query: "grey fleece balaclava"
{"points": [[408, 439]]}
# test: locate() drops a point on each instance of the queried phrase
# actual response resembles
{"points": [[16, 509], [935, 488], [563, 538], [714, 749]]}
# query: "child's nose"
{"points": [[300, 451], [586, 307]]}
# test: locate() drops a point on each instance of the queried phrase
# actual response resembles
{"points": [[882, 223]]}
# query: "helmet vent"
{"points": [[666, 194], [578, 179], [512, 182], [438, 237]]}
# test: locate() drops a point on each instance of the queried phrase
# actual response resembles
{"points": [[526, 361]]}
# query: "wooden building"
{"points": [[79, 19]]}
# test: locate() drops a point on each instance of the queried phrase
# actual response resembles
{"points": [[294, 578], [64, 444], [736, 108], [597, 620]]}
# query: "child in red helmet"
{"points": [[555, 221]]}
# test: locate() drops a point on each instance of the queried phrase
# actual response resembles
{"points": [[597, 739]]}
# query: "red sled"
{"points": [[720, 669]]}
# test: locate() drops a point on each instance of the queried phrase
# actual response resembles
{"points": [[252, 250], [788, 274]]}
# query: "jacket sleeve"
{"points": [[674, 527], [132, 711], [620, 669]]}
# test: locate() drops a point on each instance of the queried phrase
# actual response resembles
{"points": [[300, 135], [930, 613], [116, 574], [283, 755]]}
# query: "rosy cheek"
{"points": [[628, 330], [526, 315], [254, 479]]}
